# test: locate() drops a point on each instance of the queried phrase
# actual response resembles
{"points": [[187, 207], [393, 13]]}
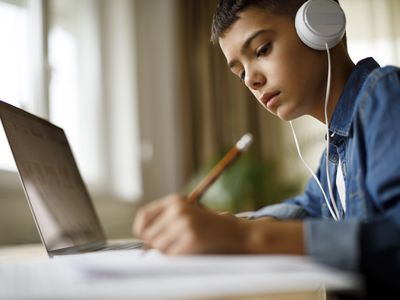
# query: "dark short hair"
{"points": [[227, 12]]}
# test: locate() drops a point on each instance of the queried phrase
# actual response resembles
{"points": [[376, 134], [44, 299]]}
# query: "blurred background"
{"points": [[148, 103]]}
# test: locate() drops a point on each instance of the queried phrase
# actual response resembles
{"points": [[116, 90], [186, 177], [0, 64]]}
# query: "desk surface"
{"points": [[19, 267], [23, 253]]}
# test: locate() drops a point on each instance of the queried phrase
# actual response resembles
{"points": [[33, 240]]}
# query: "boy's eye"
{"points": [[263, 50], [242, 76]]}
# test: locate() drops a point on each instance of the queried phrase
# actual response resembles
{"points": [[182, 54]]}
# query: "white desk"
{"points": [[26, 273], [23, 253]]}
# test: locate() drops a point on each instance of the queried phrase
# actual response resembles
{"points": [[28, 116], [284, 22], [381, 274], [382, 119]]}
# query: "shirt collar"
{"points": [[344, 110]]}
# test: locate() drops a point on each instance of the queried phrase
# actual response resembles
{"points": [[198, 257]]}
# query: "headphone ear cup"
{"points": [[320, 21]]}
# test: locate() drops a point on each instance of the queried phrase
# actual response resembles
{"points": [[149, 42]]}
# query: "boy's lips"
{"points": [[267, 98]]}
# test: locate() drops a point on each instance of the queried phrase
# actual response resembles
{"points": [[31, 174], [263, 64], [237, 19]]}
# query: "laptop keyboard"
{"points": [[125, 246]]}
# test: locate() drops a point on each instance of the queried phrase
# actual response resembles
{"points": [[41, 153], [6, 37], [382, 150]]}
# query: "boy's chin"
{"points": [[285, 115]]}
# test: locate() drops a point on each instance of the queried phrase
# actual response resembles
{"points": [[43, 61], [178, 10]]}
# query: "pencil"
{"points": [[241, 146]]}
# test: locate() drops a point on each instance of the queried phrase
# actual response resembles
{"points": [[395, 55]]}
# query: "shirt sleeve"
{"points": [[326, 241], [300, 207], [333, 243]]}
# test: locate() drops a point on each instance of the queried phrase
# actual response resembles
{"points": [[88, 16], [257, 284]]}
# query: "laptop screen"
{"points": [[57, 196]]}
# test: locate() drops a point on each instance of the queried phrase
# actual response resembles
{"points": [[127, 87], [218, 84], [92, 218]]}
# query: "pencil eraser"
{"points": [[244, 142]]}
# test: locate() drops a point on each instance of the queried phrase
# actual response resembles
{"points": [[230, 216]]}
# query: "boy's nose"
{"points": [[255, 80]]}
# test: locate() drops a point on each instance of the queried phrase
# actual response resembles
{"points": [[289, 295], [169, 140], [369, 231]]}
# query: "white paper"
{"points": [[130, 274]]}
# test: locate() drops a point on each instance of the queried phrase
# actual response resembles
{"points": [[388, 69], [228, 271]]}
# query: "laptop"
{"points": [[57, 196]]}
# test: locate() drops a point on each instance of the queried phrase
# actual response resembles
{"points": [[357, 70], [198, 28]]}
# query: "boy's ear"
{"points": [[320, 22]]}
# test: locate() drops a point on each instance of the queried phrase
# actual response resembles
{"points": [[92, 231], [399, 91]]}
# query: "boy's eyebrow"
{"points": [[247, 43]]}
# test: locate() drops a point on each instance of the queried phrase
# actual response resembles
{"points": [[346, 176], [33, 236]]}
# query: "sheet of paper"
{"points": [[134, 275]]}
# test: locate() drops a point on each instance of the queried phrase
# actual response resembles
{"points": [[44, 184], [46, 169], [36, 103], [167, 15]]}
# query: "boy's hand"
{"points": [[174, 226]]}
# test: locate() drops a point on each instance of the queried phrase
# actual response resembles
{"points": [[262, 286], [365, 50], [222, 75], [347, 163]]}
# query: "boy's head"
{"points": [[227, 12], [260, 43]]}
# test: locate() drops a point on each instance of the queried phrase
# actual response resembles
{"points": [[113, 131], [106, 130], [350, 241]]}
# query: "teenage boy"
{"points": [[289, 79]]}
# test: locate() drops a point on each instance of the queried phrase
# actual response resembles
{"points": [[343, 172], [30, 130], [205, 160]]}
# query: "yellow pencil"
{"points": [[241, 146]]}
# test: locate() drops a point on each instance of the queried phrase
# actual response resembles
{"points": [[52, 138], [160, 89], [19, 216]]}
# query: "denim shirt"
{"points": [[365, 134]]}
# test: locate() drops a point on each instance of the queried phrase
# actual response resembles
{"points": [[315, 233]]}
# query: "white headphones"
{"points": [[320, 22], [321, 25]]}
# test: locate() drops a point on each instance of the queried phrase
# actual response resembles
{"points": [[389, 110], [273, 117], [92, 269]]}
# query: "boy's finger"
{"points": [[147, 214]]}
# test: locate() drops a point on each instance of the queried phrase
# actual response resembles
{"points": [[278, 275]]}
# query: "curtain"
{"points": [[216, 108]]}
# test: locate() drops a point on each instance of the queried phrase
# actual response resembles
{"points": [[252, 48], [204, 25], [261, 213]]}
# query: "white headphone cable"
{"points": [[332, 204], [311, 172], [328, 88]]}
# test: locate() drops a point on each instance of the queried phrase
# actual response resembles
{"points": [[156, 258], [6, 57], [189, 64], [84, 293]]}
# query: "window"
{"points": [[14, 62], [54, 63], [75, 87], [23, 71], [92, 92]]}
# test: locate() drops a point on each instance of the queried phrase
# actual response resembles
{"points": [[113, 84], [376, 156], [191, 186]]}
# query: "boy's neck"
{"points": [[341, 68]]}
